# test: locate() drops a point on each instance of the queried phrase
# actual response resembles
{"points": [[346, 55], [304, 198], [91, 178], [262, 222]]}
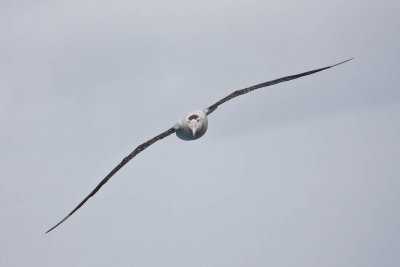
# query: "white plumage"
{"points": [[192, 126]]}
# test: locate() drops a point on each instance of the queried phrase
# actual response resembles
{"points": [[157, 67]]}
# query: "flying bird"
{"points": [[191, 127]]}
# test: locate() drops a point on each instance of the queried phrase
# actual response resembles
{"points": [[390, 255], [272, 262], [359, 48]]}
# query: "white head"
{"points": [[192, 126]]}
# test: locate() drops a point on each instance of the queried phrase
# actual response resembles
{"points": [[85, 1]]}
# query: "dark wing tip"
{"points": [[58, 224], [342, 62]]}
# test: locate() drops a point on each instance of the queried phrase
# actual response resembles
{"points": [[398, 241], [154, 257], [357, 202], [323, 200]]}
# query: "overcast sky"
{"points": [[304, 173]]}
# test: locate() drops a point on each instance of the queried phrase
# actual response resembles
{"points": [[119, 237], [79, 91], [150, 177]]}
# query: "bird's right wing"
{"points": [[236, 93], [137, 150]]}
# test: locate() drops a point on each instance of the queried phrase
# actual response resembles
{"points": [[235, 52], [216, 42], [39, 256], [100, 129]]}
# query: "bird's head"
{"points": [[195, 124]]}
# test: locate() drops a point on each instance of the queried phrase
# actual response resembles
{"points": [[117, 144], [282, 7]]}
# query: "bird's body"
{"points": [[191, 127]]}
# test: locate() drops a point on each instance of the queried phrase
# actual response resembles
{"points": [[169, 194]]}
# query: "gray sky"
{"points": [[304, 173]]}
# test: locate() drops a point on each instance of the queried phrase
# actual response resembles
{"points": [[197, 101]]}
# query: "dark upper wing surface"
{"points": [[243, 91], [137, 150]]}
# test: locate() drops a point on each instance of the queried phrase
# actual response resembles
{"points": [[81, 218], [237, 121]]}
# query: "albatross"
{"points": [[191, 127]]}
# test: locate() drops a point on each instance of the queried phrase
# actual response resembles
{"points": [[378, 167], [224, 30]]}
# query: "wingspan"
{"points": [[236, 93], [168, 132], [137, 150]]}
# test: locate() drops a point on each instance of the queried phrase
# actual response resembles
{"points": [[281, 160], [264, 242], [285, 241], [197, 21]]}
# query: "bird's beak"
{"points": [[194, 128]]}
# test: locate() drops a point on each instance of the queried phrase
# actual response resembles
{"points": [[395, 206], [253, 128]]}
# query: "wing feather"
{"points": [[137, 150], [243, 91]]}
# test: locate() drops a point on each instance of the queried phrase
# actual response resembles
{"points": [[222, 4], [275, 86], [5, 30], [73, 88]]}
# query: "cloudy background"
{"points": [[304, 173]]}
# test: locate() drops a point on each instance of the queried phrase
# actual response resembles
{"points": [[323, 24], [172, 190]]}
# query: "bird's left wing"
{"points": [[243, 91], [137, 150]]}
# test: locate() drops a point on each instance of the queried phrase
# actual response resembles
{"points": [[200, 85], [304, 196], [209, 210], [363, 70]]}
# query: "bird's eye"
{"points": [[198, 119]]}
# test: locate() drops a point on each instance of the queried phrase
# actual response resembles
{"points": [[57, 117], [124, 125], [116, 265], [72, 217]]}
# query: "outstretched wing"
{"points": [[213, 107], [137, 150]]}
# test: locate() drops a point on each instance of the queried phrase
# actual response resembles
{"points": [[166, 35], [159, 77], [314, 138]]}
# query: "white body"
{"points": [[192, 126]]}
